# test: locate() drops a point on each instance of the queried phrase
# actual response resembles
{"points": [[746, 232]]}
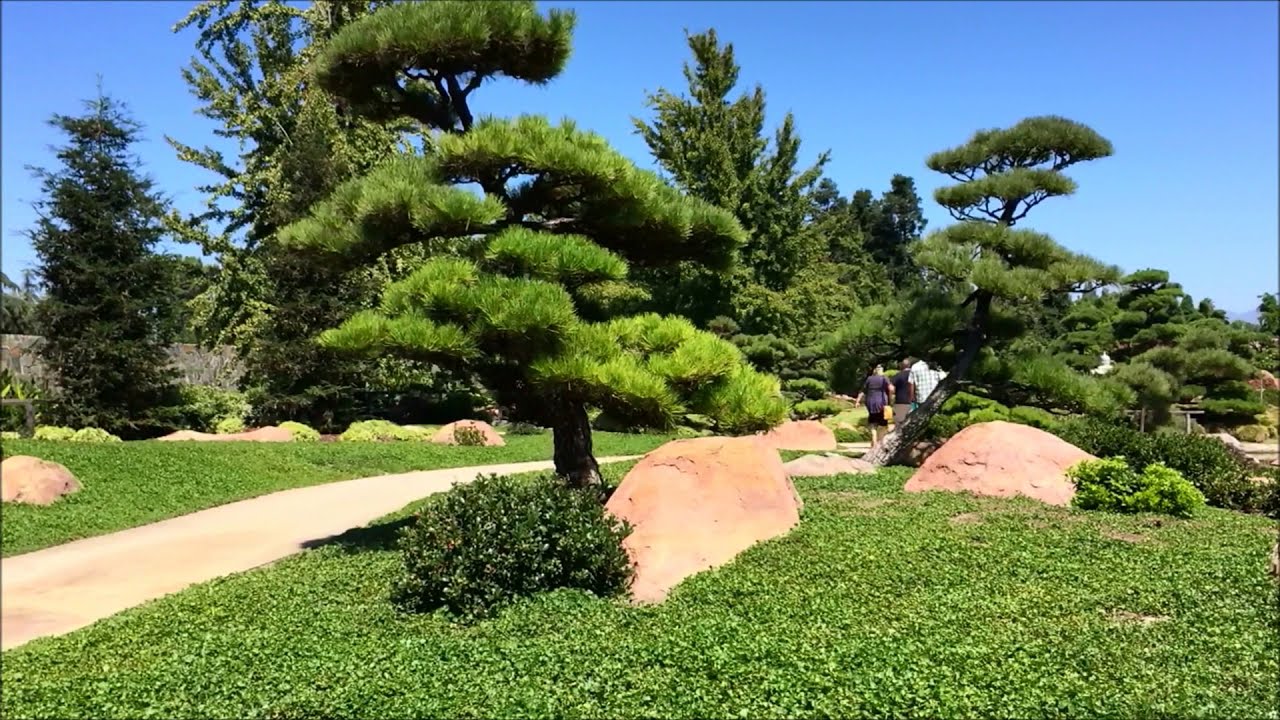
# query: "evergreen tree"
{"points": [[892, 223], [515, 270], [18, 306], [106, 315], [982, 261]]}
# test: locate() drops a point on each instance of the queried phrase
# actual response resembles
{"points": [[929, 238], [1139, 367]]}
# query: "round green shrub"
{"points": [[1165, 491], [814, 409], [202, 406], [851, 435], [942, 426], [53, 432], [1103, 484], [982, 415], [468, 436], [93, 435], [482, 545], [523, 428], [379, 431], [301, 432], [9, 435], [229, 426], [807, 388], [1251, 433], [963, 402]]}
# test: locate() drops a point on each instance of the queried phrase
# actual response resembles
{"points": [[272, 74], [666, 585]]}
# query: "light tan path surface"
{"points": [[66, 587]]}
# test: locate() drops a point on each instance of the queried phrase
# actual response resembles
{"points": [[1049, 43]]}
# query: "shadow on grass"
{"points": [[371, 538]]}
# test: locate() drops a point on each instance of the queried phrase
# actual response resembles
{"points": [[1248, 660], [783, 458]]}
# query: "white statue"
{"points": [[1104, 365]]}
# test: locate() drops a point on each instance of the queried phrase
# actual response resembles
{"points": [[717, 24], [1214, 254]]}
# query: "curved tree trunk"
{"points": [[571, 435], [895, 447]]}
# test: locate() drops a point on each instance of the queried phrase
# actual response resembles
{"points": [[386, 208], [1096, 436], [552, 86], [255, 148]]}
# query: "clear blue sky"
{"points": [[1186, 91]]}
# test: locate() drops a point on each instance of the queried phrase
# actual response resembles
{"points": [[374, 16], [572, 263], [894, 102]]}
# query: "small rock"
{"points": [[801, 435], [32, 481], [826, 465]]}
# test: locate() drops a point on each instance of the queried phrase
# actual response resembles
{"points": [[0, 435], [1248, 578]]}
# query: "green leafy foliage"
{"points": [[1203, 461], [1252, 433], [202, 406], [807, 388], [1017, 594], [300, 432], [229, 426], [53, 432], [93, 435], [379, 431], [851, 435], [482, 545], [816, 409], [468, 436], [134, 483], [1112, 485]]}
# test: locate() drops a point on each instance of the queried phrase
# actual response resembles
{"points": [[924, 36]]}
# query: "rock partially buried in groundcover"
{"points": [[32, 481], [826, 465], [1001, 459], [695, 504], [801, 435], [445, 435], [264, 434]]}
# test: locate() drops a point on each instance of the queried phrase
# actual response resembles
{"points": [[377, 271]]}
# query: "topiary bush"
{"points": [[481, 545], [1033, 416], [379, 431], [982, 415], [851, 435], [942, 427], [814, 409], [10, 435], [1113, 486], [93, 435], [229, 426], [468, 436], [807, 388], [963, 402], [1251, 433], [301, 432], [523, 428], [53, 432]]}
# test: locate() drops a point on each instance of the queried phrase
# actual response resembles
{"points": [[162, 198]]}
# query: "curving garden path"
{"points": [[64, 588]]}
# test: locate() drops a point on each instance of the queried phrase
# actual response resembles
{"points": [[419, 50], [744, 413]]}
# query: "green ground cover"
{"points": [[880, 604], [131, 484]]}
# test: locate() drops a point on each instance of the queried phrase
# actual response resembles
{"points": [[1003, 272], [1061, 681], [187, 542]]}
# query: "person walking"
{"points": [[904, 393], [925, 380], [875, 392]]}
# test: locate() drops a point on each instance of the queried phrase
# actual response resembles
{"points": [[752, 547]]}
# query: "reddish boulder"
{"points": [[695, 504], [444, 436], [264, 434], [1264, 381], [801, 435], [826, 465], [1001, 459], [32, 481]]}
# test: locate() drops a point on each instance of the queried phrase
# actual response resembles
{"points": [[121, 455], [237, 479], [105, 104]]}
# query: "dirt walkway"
{"points": [[64, 588]]}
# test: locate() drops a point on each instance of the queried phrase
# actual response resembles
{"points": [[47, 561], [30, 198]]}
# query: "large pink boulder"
{"points": [[1001, 459], [270, 433], [1264, 381], [801, 435], [32, 481], [445, 435], [695, 504]]}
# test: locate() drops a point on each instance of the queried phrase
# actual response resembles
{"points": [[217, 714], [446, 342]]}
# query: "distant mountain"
{"points": [[1249, 316]]}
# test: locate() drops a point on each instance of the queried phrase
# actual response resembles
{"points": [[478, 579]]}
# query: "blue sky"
{"points": [[1186, 91]]}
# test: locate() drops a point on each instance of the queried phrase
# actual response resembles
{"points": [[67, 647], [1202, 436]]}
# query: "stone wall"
{"points": [[195, 365]]}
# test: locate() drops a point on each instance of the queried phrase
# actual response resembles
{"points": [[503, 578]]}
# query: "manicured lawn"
{"points": [[880, 604], [131, 484]]}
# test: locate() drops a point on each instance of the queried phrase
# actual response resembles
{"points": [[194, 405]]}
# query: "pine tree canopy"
{"points": [[422, 60]]}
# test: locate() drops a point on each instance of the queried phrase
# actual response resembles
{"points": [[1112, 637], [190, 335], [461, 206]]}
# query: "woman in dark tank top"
{"points": [[875, 391]]}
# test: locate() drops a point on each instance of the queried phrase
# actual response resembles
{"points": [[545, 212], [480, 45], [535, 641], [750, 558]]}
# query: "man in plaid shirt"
{"points": [[925, 379]]}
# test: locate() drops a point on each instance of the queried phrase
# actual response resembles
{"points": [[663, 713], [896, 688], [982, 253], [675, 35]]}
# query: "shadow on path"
{"points": [[380, 537]]}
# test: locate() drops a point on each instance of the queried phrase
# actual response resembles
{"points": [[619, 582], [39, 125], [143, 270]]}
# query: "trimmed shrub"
{"points": [[1204, 461], [10, 435], [814, 409], [942, 426], [480, 546], [53, 432], [229, 426], [300, 432], [1033, 416], [468, 436], [1112, 485], [982, 415], [523, 428], [807, 388], [1251, 433], [963, 402], [93, 435], [379, 431]]}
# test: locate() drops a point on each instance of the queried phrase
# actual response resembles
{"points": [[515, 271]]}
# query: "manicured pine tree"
{"points": [[1001, 175], [106, 311], [518, 270]]}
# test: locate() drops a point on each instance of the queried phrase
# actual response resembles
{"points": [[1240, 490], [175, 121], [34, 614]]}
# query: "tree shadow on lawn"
{"points": [[379, 537]]}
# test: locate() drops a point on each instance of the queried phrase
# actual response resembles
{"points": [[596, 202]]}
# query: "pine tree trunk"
{"points": [[571, 435], [894, 448]]}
